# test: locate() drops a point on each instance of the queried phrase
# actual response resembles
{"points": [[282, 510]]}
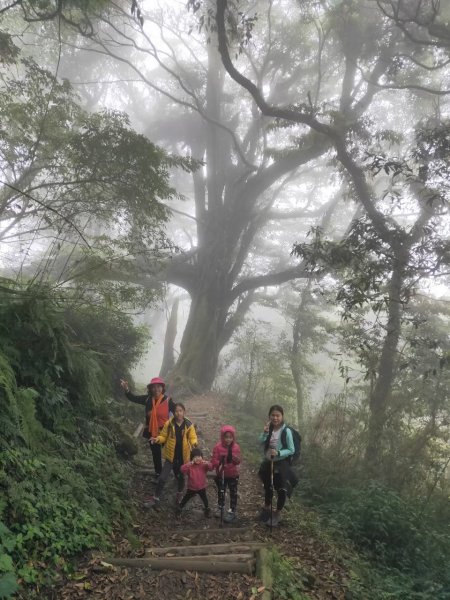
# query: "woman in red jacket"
{"points": [[226, 458]]}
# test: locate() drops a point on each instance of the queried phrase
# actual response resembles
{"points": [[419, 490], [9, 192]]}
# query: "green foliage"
{"points": [[393, 529], [367, 582], [88, 178], [8, 584], [399, 543], [61, 483], [287, 578], [117, 342], [56, 509], [258, 370]]}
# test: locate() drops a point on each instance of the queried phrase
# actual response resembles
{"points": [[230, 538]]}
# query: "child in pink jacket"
{"points": [[196, 480], [226, 459]]}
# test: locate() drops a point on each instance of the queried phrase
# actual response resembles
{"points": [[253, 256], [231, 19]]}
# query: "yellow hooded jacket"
{"points": [[167, 437]]}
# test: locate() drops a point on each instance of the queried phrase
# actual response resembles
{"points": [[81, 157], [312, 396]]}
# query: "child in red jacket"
{"points": [[225, 459], [196, 480]]}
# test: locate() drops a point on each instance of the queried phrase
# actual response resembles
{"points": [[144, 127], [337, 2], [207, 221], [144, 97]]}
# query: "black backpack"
{"points": [[297, 438]]}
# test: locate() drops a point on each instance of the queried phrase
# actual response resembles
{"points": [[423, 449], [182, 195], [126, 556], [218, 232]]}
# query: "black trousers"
{"points": [[232, 484], [191, 493], [281, 477], [157, 458]]}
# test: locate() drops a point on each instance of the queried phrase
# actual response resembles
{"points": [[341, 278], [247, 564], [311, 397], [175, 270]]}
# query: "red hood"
{"points": [[227, 429]]}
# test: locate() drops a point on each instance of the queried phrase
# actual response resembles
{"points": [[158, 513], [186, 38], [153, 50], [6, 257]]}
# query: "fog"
{"points": [[265, 183]]}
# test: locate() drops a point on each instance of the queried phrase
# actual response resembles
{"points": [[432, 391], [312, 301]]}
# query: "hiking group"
{"points": [[172, 436]]}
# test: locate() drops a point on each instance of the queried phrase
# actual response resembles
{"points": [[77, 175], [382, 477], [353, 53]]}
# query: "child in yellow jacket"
{"points": [[179, 437]]}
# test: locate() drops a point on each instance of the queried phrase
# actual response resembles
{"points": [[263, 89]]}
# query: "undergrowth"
{"points": [[63, 478], [389, 546], [288, 579]]}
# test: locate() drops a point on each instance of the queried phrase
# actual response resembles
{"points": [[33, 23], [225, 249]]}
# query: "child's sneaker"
{"points": [[218, 512], [207, 512], [151, 502], [230, 517]]}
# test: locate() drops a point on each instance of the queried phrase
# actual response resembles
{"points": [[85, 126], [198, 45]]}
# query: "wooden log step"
{"points": [[217, 557], [202, 565], [264, 572], [227, 530], [206, 549]]}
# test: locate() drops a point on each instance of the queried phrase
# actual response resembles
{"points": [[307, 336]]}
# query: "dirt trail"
{"points": [[155, 528]]}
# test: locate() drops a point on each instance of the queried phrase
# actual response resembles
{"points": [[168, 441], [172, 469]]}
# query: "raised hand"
{"points": [[124, 385]]}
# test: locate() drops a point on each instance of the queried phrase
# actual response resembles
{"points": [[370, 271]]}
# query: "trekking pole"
{"points": [[271, 492], [222, 491]]}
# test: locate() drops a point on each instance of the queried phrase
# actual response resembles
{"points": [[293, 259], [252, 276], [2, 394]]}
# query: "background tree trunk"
{"points": [[379, 398], [197, 364], [168, 361]]}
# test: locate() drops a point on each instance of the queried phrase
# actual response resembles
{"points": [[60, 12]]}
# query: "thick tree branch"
{"points": [[335, 136], [236, 319], [2, 10], [269, 279]]}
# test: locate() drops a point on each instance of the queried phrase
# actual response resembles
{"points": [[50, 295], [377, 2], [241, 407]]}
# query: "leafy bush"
{"points": [[378, 520], [62, 485], [287, 579], [56, 509], [258, 370], [370, 583]]}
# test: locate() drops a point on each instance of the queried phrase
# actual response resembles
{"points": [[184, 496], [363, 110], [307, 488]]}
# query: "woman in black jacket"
{"points": [[158, 409]]}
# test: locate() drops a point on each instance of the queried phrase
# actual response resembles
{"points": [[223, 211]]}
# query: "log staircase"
{"points": [[197, 550]]}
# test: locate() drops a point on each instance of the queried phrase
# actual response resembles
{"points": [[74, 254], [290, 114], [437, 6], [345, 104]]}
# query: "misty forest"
{"points": [[247, 199]]}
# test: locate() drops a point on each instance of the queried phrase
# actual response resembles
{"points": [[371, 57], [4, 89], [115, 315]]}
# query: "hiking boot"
{"points": [[151, 502], [275, 520], [207, 512], [264, 515], [230, 517]]}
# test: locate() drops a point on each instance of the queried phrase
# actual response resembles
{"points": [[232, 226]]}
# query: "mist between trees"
{"points": [[275, 172]]}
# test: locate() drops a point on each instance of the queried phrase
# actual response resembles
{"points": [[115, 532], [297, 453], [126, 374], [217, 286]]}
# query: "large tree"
{"points": [[331, 67], [405, 242], [254, 167]]}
